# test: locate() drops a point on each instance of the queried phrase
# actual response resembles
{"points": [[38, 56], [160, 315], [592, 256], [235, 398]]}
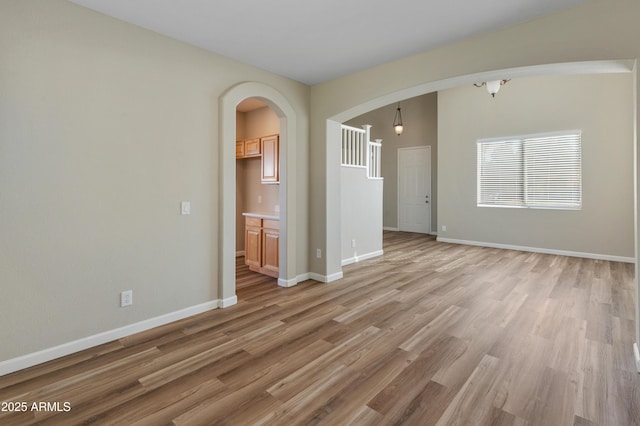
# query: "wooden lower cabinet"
{"points": [[270, 245], [262, 241], [253, 242]]}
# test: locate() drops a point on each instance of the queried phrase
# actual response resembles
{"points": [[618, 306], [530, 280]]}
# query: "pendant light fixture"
{"points": [[492, 86], [397, 121]]}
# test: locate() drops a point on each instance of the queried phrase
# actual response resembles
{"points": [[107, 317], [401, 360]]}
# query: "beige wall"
{"points": [[598, 105], [261, 122], [104, 129], [251, 194], [240, 125], [420, 117]]}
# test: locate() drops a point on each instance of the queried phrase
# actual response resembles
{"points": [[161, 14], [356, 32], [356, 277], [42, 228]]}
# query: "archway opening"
{"points": [[227, 174], [332, 267], [257, 196]]}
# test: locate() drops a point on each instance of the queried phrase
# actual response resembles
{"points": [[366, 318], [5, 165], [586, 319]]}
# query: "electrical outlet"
{"points": [[259, 199], [318, 253], [353, 243], [126, 298], [444, 228]]}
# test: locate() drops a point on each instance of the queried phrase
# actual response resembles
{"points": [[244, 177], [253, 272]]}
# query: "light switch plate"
{"points": [[185, 207]]}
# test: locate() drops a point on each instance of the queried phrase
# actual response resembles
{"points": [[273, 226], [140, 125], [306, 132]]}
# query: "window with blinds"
{"points": [[536, 171]]}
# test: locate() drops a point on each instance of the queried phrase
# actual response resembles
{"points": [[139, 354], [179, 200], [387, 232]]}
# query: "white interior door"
{"points": [[414, 189]]}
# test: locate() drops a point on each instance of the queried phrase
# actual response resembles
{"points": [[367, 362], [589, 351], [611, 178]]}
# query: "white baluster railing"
{"points": [[375, 149], [359, 151], [353, 146]]}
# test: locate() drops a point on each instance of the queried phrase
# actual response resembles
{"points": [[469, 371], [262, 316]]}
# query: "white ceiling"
{"points": [[313, 41]]}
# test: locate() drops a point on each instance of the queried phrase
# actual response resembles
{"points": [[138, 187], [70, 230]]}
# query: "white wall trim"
{"points": [[636, 354], [303, 277], [300, 278], [389, 228], [229, 301], [356, 259], [240, 253], [325, 278], [29, 360], [540, 250], [287, 283], [334, 277]]}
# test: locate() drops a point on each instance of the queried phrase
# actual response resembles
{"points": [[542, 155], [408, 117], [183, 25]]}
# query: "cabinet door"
{"points": [[252, 246], [270, 161], [270, 244], [252, 147], [239, 149]]}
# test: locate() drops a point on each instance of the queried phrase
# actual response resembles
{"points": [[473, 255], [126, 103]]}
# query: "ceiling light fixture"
{"points": [[492, 86], [397, 122]]}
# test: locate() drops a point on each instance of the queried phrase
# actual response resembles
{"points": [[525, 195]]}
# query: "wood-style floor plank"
{"points": [[427, 334]]}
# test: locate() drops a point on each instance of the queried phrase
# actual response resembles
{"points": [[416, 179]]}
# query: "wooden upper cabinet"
{"points": [[239, 149], [252, 147], [248, 148], [270, 160]]}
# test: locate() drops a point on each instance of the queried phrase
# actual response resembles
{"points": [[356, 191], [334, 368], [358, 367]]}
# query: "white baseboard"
{"points": [[636, 354], [325, 278], [303, 277], [388, 228], [356, 259], [29, 360], [540, 250], [229, 301], [240, 253], [290, 283], [287, 283]]}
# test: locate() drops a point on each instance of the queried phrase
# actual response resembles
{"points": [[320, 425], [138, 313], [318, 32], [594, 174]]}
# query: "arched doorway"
{"points": [[227, 172], [332, 133]]}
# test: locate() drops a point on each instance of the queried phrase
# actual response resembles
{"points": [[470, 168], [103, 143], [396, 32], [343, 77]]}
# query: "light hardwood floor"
{"points": [[428, 334]]}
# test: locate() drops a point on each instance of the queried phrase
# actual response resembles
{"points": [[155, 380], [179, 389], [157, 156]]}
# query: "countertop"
{"points": [[263, 215]]}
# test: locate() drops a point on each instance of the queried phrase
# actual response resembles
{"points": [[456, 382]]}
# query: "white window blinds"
{"points": [[537, 171]]}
